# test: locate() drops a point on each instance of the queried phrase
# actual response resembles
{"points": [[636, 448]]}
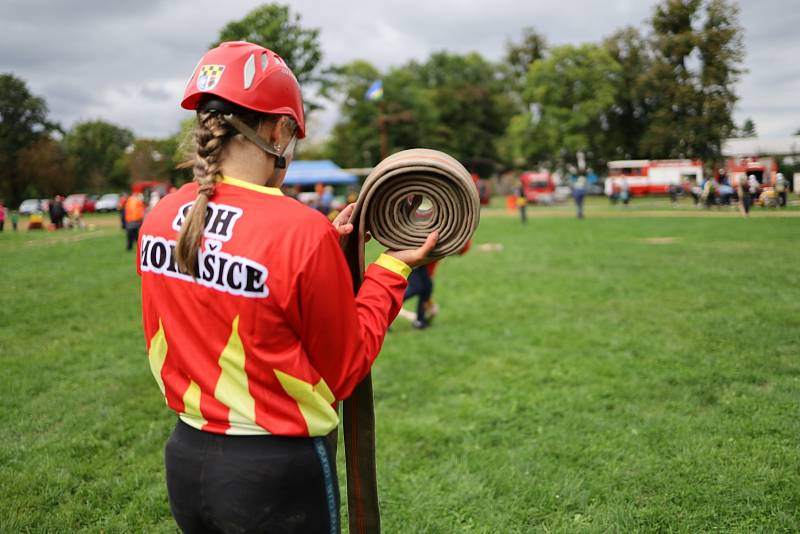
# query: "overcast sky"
{"points": [[127, 61]]}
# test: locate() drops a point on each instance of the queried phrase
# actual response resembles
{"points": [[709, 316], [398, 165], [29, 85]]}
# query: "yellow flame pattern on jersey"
{"points": [[191, 406], [314, 402], [233, 389], [157, 354]]}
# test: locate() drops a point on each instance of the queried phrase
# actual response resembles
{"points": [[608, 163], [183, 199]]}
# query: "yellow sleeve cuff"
{"points": [[393, 264]]}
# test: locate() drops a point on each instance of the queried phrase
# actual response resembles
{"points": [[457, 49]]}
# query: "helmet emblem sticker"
{"points": [[209, 76]]}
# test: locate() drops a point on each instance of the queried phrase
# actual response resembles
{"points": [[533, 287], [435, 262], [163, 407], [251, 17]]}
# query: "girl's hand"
{"points": [[418, 256], [342, 222], [412, 258]]}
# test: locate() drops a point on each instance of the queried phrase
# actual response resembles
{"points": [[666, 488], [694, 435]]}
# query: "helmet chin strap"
{"points": [[253, 137]]}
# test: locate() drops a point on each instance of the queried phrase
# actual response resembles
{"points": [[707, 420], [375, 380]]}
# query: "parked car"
{"points": [[107, 202], [81, 200], [89, 205], [31, 205]]}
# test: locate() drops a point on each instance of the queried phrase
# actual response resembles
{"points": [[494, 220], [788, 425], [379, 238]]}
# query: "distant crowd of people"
{"points": [[322, 198], [747, 191]]}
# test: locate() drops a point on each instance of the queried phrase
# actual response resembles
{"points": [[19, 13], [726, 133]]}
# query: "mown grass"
{"points": [[586, 378]]}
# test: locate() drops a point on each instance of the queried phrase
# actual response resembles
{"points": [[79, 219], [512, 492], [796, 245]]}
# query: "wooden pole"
{"points": [[383, 132]]}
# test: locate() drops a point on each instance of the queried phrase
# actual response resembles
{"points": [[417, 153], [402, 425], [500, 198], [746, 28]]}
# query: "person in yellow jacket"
{"points": [[522, 204]]}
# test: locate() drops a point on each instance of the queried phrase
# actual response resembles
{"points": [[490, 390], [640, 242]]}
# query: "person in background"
{"points": [[780, 188], [578, 194], [134, 215], [352, 195], [420, 284], [673, 194], [522, 204], [753, 186], [326, 200], [2, 215], [121, 207], [57, 212], [609, 189], [710, 190], [696, 192], [724, 189], [14, 219], [75, 219], [625, 192], [745, 198], [291, 192], [154, 198]]}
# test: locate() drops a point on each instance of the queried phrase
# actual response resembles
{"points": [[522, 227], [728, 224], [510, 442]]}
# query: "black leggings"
{"points": [[275, 484]]}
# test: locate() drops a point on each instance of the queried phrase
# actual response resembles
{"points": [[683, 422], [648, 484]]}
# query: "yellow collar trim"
{"points": [[253, 187]]}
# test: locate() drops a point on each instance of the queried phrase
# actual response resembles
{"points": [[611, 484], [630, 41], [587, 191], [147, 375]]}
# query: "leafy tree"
{"points": [[472, 107], [178, 151], [721, 52], [276, 27], [48, 170], [96, 146], [520, 55], [748, 129], [407, 111], [525, 141], [149, 159], [671, 92], [572, 91], [628, 118], [354, 140], [308, 150], [451, 102], [697, 52], [23, 122], [405, 114]]}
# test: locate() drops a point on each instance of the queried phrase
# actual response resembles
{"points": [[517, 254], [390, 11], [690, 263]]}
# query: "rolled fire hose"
{"points": [[406, 197]]}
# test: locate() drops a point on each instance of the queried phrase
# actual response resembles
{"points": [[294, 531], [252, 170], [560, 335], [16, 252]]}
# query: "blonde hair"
{"points": [[210, 137]]}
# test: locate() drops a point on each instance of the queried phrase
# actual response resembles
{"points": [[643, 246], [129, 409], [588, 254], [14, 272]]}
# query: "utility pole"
{"points": [[383, 131]]}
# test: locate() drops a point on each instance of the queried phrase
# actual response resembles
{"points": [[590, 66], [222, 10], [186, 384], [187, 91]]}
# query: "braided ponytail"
{"points": [[210, 136]]}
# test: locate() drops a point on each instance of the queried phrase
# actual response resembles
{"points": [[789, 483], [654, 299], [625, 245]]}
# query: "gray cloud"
{"points": [[127, 62]]}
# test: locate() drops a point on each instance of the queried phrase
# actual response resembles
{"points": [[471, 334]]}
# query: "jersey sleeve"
{"points": [[340, 333]]}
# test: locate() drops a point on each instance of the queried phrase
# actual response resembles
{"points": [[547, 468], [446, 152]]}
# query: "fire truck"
{"points": [[653, 176], [764, 169], [538, 187]]}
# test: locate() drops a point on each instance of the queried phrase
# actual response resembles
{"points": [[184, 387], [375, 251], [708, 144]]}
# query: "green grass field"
{"points": [[625, 373]]}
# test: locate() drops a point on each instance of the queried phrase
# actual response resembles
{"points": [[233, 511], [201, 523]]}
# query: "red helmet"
{"points": [[250, 76]]}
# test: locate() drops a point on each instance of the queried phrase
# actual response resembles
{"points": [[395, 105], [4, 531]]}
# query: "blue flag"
{"points": [[375, 91]]}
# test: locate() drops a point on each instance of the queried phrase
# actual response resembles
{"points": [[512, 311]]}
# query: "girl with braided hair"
{"points": [[252, 328]]}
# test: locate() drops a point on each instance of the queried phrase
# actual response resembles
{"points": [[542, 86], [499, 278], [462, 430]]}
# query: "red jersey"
{"points": [[269, 336]]}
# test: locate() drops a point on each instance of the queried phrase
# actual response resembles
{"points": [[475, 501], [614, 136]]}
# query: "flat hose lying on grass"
{"points": [[404, 198]]}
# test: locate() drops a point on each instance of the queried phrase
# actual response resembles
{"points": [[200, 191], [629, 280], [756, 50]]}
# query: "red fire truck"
{"points": [[764, 169], [147, 187], [538, 187], [656, 176]]}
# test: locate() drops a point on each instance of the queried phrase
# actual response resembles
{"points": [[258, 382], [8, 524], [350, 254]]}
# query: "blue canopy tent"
{"points": [[312, 172]]}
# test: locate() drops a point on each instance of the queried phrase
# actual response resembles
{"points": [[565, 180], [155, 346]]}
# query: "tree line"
{"points": [[667, 91], [664, 91], [41, 159]]}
